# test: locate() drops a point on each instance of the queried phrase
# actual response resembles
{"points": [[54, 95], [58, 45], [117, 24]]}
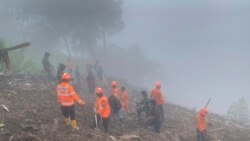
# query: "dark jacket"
{"points": [[145, 105], [46, 64], [114, 103]]}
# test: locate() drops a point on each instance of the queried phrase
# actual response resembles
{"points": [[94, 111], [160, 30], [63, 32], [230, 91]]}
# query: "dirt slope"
{"points": [[34, 115]]}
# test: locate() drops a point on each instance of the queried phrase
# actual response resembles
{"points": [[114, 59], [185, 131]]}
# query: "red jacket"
{"points": [[102, 107], [201, 123], [124, 100], [157, 96], [66, 94]]}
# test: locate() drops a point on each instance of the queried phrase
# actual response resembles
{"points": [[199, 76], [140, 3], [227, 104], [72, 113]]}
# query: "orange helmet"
{"points": [[65, 76], [114, 84], [98, 90], [204, 111], [158, 84]]}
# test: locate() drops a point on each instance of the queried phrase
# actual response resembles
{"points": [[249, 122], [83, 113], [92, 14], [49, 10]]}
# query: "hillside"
{"points": [[31, 113]]}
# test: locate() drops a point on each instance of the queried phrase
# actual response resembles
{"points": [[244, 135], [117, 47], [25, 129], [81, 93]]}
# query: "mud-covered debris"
{"points": [[5, 108], [1, 125], [129, 137], [29, 127], [112, 138]]}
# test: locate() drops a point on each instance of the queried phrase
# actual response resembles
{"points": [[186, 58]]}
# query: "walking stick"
{"points": [[96, 124], [207, 102]]}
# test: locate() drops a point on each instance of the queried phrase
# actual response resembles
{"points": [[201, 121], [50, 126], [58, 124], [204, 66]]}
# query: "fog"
{"points": [[198, 49], [202, 46]]}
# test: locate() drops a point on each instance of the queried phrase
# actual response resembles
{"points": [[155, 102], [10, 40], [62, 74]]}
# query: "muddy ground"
{"points": [[34, 115]]}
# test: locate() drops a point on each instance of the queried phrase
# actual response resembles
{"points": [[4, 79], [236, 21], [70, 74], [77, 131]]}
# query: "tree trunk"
{"points": [[67, 46], [104, 42]]}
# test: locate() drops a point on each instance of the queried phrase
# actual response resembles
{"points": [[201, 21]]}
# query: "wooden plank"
{"points": [[26, 44]]}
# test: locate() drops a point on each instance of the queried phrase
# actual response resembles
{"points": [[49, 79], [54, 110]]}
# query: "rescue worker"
{"points": [[124, 100], [99, 72], [201, 124], [144, 105], [158, 97], [115, 89], [91, 83], [155, 118], [47, 65], [102, 108], [67, 97], [114, 102], [60, 72]]}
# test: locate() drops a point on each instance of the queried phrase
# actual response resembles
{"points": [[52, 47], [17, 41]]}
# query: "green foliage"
{"points": [[18, 63], [239, 111], [71, 23], [30, 67], [16, 60]]}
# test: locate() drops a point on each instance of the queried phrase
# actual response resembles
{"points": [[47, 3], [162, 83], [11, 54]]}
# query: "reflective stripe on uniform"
{"points": [[67, 103], [62, 89], [63, 94]]}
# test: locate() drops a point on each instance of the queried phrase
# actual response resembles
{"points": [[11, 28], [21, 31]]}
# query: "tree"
{"points": [[74, 23], [239, 111]]}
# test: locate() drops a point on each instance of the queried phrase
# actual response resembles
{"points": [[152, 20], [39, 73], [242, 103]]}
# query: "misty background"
{"points": [[198, 49]]}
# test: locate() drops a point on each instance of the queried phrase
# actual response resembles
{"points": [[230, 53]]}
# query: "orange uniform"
{"points": [[124, 101], [157, 96], [102, 107], [66, 95], [201, 123]]}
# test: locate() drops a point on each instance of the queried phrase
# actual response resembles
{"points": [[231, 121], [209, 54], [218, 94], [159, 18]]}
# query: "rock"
{"points": [[29, 127], [44, 126], [89, 135], [129, 137], [112, 138]]}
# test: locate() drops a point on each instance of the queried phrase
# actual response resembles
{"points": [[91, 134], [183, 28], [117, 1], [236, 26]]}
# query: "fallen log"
{"points": [[26, 44]]}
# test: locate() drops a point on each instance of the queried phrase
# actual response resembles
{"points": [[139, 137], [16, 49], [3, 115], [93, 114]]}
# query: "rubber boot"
{"points": [[73, 124], [67, 121]]}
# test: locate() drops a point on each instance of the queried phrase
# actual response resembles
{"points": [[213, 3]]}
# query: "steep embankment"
{"points": [[33, 114]]}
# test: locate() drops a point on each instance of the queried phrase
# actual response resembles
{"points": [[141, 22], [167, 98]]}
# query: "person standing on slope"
{"points": [[201, 124], [115, 103], [67, 97], [47, 66], [102, 108], [157, 96], [124, 100]]}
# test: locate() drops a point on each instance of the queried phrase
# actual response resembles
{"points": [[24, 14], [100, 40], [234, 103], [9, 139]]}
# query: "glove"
{"points": [[81, 102]]}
